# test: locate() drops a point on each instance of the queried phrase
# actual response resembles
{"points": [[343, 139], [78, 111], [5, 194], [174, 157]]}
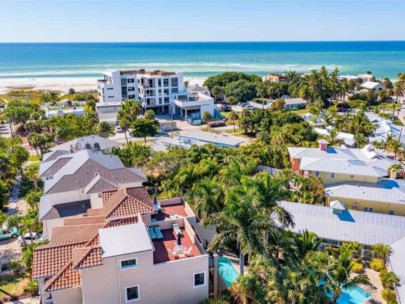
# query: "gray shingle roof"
{"points": [[84, 166], [364, 227]]}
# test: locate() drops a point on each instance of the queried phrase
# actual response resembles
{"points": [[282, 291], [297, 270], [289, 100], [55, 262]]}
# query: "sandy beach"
{"points": [[63, 84]]}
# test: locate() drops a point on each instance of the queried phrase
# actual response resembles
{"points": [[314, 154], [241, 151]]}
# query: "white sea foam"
{"points": [[191, 67]]}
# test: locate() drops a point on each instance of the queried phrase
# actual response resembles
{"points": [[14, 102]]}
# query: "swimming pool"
{"points": [[227, 271], [355, 295]]}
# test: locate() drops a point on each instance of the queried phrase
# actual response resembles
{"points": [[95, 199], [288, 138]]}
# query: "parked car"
{"points": [[36, 237], [6, 234], [118, 129], [227, 108], [249, 107]]}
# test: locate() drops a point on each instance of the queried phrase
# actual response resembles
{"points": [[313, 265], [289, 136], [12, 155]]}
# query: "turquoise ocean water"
{"points": [[384, 59]]}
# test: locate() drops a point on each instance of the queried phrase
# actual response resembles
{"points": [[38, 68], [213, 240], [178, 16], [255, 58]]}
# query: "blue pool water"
{"points": [[227, 271], [355, 295]]}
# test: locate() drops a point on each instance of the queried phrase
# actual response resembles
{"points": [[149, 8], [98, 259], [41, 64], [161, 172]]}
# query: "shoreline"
{"points": [[63, 84]]}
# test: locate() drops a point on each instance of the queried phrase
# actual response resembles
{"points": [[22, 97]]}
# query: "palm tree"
{"points": [[337, 273], [247, 289], [31, 172], [233, 118], [238, 223], [395, 146], [303, 244], [237, 168], [314, 81], [381, 251], [186, 177], [207, 197]]}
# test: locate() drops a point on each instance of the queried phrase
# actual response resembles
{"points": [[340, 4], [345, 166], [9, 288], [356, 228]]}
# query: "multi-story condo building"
{"points": [[129, 249], [161, 91]]}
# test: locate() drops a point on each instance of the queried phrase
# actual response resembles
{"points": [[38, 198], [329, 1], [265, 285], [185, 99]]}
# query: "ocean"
{"points": [[200, 59]]}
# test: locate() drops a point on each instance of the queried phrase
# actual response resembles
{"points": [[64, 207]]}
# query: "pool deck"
{"points": [[374, 277]]}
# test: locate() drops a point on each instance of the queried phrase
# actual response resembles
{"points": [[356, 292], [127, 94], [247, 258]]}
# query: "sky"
{"points": [[200, 20]]}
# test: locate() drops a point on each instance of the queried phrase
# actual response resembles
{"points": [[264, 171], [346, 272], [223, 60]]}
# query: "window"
{"points": [[199, 279], [391, 212], [109, 89], [368, 209], [159, 83], [131, 96], [131, 89], [166, 82], [166, 91], [332, 175], [317, 173], [132, 293], [129, 263], [130, 80]]}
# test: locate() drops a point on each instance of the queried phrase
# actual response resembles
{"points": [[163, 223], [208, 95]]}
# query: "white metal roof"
{"points": [[364, 227], [387, 190], [124, 239], [219, 139]]}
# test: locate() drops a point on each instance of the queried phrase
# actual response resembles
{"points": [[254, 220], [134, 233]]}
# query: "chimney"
{"points": [[323, 144], [393, 174]]}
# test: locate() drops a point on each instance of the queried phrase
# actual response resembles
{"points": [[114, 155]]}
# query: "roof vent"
{"points": [[323, 144], [337, 207]]}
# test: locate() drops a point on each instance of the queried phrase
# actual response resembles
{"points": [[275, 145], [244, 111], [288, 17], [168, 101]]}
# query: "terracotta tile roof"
{"points": [[95, 212], [84, 220], [76, 245], [49, 259], [67, 277], [163, 248], [76, 233], [172, 209], [107, 194], [91, 257], [129, 202]]}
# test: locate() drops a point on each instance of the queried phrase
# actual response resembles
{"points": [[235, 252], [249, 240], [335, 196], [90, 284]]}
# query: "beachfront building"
{"points": [[372, 85], [129, 249], [361, 78], [71, 179], [162, 91], [337, 225], [275, 78], [340, 164], [199, 138]]}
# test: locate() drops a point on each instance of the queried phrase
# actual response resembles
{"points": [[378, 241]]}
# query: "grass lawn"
{"points": [[33, 158], [300, 111], [21, 93], [15, 288]]}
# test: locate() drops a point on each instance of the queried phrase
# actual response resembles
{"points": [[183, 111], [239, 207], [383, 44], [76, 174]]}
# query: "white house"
{"points": [[375, 86]]}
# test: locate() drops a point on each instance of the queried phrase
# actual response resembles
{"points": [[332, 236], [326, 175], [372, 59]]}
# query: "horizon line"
{"points": [[216, 41]]}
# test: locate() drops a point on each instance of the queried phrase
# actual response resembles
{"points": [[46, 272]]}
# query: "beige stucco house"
{"points": [[130, 249]]}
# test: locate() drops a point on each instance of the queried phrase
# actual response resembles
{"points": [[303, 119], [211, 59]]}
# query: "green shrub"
{"points": [[377, 264], [32, 288], [389, 296], [357, 267], [388, 279]]}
